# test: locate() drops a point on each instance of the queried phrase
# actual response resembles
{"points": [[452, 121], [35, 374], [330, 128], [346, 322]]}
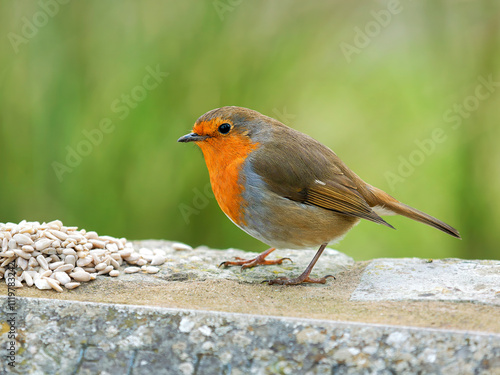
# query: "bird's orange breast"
{"points": [[224, 159]]}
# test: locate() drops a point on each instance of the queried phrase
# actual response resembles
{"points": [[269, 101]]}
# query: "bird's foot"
{"points": [[304, 278], [259, 260], [297, 280]]}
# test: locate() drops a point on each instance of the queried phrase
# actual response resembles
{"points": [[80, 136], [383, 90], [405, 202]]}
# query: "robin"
{"points": [[287, 189]]}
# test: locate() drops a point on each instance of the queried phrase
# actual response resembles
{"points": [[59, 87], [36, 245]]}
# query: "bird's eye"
{"points": [[224, 128]]}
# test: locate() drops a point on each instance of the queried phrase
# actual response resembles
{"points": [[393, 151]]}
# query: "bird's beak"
{"points": [[192, 137]]}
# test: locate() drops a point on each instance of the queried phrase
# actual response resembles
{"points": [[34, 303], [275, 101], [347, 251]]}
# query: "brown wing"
{"points": [[300, 168], [338, 198]]}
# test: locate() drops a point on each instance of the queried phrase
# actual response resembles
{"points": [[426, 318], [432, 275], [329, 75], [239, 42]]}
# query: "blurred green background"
{"points": [[371, 80]]}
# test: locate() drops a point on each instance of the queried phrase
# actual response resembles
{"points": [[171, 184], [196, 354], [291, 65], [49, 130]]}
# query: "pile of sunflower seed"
{"points": [[51, 255]]}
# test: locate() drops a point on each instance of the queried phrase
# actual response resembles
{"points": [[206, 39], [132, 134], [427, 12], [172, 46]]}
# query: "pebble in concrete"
{"points": [[420, 279], [87, 338]]}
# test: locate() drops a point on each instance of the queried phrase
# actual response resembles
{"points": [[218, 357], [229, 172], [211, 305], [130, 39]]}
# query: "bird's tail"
{"points": [[388, 203]]}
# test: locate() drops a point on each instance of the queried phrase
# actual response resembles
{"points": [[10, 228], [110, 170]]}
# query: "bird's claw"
{"points": [[249, 263], [297, 281]]}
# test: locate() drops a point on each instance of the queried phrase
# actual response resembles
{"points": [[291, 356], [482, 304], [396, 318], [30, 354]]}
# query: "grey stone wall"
{"points": [[60, 337]]}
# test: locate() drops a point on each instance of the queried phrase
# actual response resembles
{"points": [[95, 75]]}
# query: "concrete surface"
{"points": [[195, 318], [420, 279], [60, 337]]}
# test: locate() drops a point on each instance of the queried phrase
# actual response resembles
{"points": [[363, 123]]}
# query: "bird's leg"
{"points": [[259, 260], [304, 278]]}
